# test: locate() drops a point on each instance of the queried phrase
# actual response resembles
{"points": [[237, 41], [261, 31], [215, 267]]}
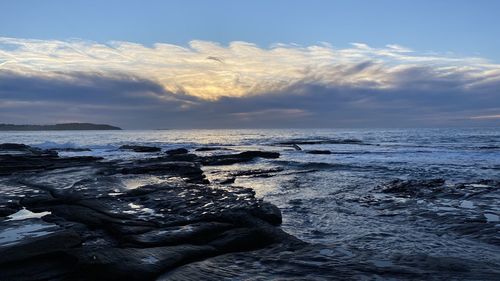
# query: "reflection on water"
{"points": [[16, 232], [135, 181], [338, 199]]}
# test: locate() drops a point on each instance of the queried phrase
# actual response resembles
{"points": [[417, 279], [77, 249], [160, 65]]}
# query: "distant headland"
{"points": [[57, 127]]}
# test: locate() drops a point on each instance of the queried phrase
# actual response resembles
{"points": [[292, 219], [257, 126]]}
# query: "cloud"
{"points": [[207, 84], [497, 116], [246, 69]]}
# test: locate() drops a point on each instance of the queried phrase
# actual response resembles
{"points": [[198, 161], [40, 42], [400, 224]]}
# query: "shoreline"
{"points": [[87, 217]]}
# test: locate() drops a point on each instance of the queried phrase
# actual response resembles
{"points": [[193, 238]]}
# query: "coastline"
{"points": [[112, 221]]}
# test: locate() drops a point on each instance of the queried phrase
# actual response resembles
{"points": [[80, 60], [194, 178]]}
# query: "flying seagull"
{"points": [[215, 59]]}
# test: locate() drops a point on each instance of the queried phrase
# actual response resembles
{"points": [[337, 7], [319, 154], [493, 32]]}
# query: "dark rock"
{"points": [[295, 202], [188, 157], [54, 266], [242, 239], [414, 187], [165, 166], [257, 172], [195, 233], [176, 151], [33, 237], [228, 181], [261, 154], [137, 264], [140, 148], [11, 163], [209, 148], [319, 152], [16, 148], [268, 212], [96, 232], [246, 156]]}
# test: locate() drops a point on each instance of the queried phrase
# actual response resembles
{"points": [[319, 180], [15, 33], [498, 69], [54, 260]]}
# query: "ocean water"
{"points": [[341, 199]]}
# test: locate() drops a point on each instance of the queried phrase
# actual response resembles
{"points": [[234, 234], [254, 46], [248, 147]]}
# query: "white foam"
{"points": [[51, 144], [467, 204], [491, 217], [134, 206], [24, 214]]}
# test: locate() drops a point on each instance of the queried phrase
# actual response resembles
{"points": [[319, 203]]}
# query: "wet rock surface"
{"points": [[210, 148], [319, 152], [159, 218], [140, 148], [177, 151], [39, 161], [228, 159], [70, 218]]}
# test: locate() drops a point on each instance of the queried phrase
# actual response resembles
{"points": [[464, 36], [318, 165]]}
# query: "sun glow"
{"points": [[210, 71]]}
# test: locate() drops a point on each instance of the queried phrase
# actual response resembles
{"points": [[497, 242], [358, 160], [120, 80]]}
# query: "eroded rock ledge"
{"points": [[158, 218], [72, 219]]}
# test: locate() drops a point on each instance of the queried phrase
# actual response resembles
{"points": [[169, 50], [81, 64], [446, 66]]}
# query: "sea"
{"points": [[345, 198]]}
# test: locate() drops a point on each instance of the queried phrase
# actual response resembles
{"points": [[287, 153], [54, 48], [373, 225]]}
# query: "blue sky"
{"points": [[460, 26], [232, 64]]}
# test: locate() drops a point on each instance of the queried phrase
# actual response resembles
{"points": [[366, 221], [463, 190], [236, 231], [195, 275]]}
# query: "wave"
{"points": [[302, 141], [325, 166], [492, 147], [54, 145]]}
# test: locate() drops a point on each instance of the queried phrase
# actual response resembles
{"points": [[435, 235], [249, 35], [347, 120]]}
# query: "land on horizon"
{"points": [[57, 127]]}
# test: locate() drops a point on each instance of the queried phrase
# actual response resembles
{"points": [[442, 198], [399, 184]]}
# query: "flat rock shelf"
{"points": [[80, 218], [70, 218]]}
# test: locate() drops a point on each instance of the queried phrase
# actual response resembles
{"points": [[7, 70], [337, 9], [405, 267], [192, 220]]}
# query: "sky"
{"points": [[251, 64]]}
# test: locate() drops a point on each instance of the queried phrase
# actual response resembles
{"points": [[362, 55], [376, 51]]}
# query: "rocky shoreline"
{"points": [[67, 218], [159, 217]]}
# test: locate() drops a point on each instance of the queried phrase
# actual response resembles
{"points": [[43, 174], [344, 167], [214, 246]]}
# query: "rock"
{"points": [[137, 264], [54, 266], [14, 147], [246, 156], [209, 148], [228, 181], [261, 154], [319, 152], [242, 239], [28, 238], [92, 228], [188, 157], [176, 151], [17, 149], [12, 163], [164, 166], [257, 172], [195, 233], [414, 187], [140, 148], [268, 212]]}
